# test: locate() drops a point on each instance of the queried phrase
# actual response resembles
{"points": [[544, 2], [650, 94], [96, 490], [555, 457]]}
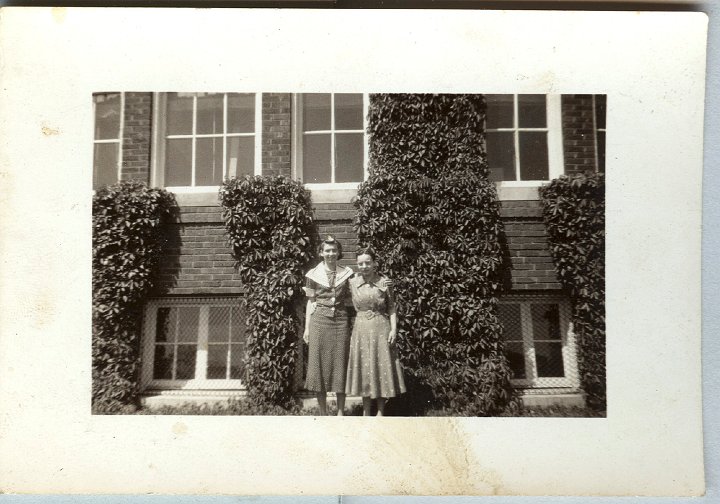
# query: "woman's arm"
{"points": [[308, 312], [391, 311]]}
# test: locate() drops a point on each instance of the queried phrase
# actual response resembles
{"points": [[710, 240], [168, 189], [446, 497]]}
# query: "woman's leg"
{"points": [[322, 402], [381, 406], [367, 406], [341, 403]]}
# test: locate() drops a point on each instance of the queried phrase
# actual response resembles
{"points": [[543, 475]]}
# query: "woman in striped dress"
{"points": [[327, 329]]}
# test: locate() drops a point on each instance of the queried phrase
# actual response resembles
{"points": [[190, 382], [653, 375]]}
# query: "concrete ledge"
{"points": [[547, 400]]}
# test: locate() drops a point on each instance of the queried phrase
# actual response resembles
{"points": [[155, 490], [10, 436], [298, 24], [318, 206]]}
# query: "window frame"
{"points": [[159, 127], [328, 191], [527, 189], [148, 382], [118, 141], [567, 341]]}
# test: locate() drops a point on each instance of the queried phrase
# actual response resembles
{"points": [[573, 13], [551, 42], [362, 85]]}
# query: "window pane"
{"points": [[219, 324], [163, 365], [548, 357], [516, 356], [209, 114], [501, 155], [601, 150], [533, 156], [188, 323], [217, 362], [316, 111], [179, 114], [238, 325], [107, 116], [105, 169], [208, 161], [348, 111], [241, 113], [349, 155], [316, 158], [240, 156], [499, 111], [600, 111], [164, 324], [178, 162], [545, 321], [185, 362], [237, 362], [509, 315], [532, 111]]}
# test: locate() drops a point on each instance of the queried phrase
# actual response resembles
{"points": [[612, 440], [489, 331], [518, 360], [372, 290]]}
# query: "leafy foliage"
{"points": [[431, 214], [127, 241], [574, 212], [269, 224]]}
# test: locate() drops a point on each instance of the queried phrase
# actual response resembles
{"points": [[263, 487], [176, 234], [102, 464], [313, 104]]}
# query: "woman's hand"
{"points": [[306, 335], [391, 337]]}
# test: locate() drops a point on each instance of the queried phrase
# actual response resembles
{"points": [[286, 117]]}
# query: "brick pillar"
{"points": [[276, 133], [137, 137], [578, 134]]}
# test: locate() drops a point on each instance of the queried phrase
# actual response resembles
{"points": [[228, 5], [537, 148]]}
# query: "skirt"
{"points": [[328, 346], [374, 369]]}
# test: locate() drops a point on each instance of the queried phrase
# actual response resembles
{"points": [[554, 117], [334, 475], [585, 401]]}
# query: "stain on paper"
{"points": [[179, 428], [48, 131]]}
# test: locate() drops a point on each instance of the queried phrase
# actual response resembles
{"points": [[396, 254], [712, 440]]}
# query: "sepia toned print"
{"points": [[485, 210]]}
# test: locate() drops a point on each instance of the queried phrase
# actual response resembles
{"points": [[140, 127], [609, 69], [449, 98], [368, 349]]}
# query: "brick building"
{"points": [[188, 142]]}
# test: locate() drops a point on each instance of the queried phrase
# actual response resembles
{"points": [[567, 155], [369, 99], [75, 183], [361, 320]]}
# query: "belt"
{"points": [[370, 314]]}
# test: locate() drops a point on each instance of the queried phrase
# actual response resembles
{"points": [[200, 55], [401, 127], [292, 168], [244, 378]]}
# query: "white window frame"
{"points": [[196, 195], [121, 132], [330, 192], [201, 358], [599, 130], [567, 339], [527, 189]]}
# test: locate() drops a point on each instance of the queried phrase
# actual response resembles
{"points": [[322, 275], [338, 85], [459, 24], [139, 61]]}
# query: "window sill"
{"points": [[343, 193]]}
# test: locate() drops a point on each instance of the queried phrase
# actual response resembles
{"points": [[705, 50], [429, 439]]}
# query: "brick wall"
{"points": [[198, 259], [336, 219], [137, 136], [578, 133], [276, 134], [527, 252]]}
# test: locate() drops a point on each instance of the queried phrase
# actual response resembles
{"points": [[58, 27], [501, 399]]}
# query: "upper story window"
{"points": [[524, 138], [600, 110], [330, 140], [108, 111], [205, 138]]}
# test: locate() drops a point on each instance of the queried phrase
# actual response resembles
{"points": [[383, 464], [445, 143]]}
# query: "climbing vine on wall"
{"points": [[269, 224], [432, 215], [127, 237], [574, 212]]}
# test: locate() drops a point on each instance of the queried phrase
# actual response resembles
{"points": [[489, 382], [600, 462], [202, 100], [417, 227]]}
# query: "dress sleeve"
{"points": [[310, 289]]}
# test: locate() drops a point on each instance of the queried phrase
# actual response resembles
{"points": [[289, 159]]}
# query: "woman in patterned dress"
{"points": [[327, 330], [374, 370]]}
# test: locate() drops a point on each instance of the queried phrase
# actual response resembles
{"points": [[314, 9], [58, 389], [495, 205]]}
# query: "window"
{"points": [[600, 109], [524, 138], [206, 138], [538, 341], [108, 111], [331, 145], [194, 343]]}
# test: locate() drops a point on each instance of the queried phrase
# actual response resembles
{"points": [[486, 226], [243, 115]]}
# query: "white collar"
{"points": [[319, 274]]}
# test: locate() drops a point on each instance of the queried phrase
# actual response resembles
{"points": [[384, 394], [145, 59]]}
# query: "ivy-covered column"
{"points": [[432, 215], [269, 224], [127, 239], [574, 213]]}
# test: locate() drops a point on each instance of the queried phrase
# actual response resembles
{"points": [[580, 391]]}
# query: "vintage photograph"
{"points": [[321, 254]]}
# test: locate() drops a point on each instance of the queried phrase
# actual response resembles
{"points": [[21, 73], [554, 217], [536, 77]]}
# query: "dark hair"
{"points": [[331, 241], [366, 251]]}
